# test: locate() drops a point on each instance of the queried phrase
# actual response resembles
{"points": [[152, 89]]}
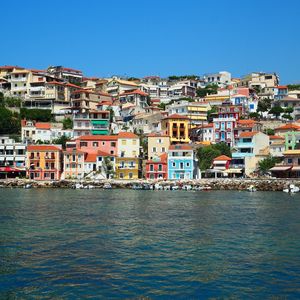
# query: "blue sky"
{"points": [[139, 38]]}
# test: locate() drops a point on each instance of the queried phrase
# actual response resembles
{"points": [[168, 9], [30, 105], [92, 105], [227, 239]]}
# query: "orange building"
{"points": [[44, 162]]}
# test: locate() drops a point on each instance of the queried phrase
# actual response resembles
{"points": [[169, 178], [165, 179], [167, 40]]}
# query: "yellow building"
{"points": [[44, 162], [127, 168], [127, 162], [177, 128], [158, 144]]}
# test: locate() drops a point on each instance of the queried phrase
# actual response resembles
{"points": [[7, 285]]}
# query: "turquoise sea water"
{"points": [[95, 244]]}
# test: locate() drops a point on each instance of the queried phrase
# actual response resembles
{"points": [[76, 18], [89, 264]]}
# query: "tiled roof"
{"points": [[288, 127], [40, 125], [43, 148], [222, 157], [98, 138], [181, 147], [276, 137], [137, 91], [102, 153], [248, 134], [176, 116], [157, 134], [127, 135], [91, 157], [244, 122]]}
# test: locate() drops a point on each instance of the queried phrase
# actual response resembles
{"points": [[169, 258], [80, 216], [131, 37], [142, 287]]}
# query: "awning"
{"points": [[9, 169], [281, 168], [296, 168], [214, 171], [235, 171]]}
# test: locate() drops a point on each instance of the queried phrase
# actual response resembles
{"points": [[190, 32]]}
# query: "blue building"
{"points": [[181, 163]]}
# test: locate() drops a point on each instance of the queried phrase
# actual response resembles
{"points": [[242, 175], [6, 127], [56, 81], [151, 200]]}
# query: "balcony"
{"points": [[242, 154], [19, 79], [245, 145]]}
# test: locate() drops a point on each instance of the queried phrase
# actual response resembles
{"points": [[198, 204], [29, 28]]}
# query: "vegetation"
{"points": [[207, 154], [9, 122], [162, 106], [293, 87], [67, 123], [108, 167], [183, 77], [211, 111], [40, 115], [266, 164], [276, 111], [208, 90], [270, 131], [254, 115], [264, 105], [61, 141]]}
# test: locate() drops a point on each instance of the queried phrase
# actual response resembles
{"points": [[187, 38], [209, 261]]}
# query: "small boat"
{"points": [[107, 186], [137, 187], [292, 189], [167, 188], [187, 187], [174, 187], [78, 186], [158, 187], [147, 187], [27, 186], [251, 188]]}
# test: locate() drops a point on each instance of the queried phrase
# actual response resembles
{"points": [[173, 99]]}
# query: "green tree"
{"points": [[40, 115], [61, 141], [108, 167], [269, 131], [208, 90], [293, 87], [276, 111], [266, 164], [264, 105], [254, 115], [289, 110], [67, 123], [9, 122], [213, 110], [162, 105], [223, 148], [206, 156], [287, 117]]}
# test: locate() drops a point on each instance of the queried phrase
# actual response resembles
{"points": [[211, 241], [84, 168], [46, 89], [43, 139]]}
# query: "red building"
{"points": [[157, 168]]}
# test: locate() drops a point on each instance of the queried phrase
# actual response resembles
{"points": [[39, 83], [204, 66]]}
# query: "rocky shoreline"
{"points": [[200, 184]]}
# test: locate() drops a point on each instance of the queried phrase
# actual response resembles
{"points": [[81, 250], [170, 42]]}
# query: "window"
{"points": [[123, 142], [113, 144], [95, 144], [160, 168], [134, 153], [217, 125], [181, 165], [121, 175], [173, 164], [151, 168], [99, 158], [130, 175], [159, 141], [188, 164], [163, 149], [133, 142], [83, 144], [290, 160], [154, 149]]}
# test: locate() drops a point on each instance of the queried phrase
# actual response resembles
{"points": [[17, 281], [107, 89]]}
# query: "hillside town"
{"points": [[57, 124]]}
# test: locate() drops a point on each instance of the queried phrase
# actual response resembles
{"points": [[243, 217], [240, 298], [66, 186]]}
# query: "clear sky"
{"points": [[157, 37]]}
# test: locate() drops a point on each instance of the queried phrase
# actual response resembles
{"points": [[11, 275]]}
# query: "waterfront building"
{"points": [[128, 156], [291, 133], [203, 133], [44, 162], [157, 167], [250, 148], [181, 163], [277, 145], [158, 144], [177, 128], [221, 163], [73, 162], [290, 167], [12, 153], [247, 125]]}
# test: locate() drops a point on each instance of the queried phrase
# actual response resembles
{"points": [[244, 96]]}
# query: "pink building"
{"points": [[93, 143]]}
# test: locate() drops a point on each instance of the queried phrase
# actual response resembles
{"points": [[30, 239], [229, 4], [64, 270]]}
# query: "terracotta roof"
{"points": [[97, 138], [43, 148], [244, 122], [71, 70], [137, 91], [222, 157], [40, 125], [157, 134], [282, 87], [248, 134], [10, 67], [127, 135], [176, 116], [181, 147], [288, 127], [73, 151], [90, 157], [102, 153], [276, 137]]}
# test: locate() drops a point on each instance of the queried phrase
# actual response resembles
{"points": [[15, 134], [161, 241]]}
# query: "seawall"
{"points": [[208, 184]]}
